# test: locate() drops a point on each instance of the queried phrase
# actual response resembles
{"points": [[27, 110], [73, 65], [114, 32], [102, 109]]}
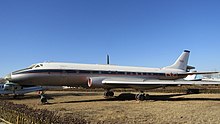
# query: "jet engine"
{"points": [[95, 82]]}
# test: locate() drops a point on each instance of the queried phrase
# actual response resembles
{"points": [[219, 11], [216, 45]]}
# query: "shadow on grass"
{"points": [[121, 97], [49, 96], [130, 96]]}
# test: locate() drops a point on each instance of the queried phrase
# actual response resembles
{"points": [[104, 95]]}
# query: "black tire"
{"points": [[136, 96], [108, 94], [105, 94], [141, 97], [43, 99], [147, 96], [111, 93]]}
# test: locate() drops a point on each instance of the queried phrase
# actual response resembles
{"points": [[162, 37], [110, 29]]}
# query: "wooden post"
{"points": [[17, 120]]}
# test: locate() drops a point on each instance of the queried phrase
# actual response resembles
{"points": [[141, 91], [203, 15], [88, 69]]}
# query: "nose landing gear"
{"points": [[43, 97]]}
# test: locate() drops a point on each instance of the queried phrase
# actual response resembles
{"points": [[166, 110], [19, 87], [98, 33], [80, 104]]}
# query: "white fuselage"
{"points": [[71, 74], [94, 75]]}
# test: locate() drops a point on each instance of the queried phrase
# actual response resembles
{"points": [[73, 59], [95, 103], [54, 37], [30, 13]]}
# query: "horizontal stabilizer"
{"points": [[191, 73]]}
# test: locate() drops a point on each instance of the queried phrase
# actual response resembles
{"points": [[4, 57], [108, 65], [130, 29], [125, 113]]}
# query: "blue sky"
{"points": [[151, 33]]}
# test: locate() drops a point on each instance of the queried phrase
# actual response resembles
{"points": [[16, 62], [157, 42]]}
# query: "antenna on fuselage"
{"points": [[107, 61]]}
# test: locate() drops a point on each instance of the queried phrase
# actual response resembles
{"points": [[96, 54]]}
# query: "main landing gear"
{"points": [[108, 94], [139, 97], [142, 96]]}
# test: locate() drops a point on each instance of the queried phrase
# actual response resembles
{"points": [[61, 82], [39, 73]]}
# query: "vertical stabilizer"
{"points": [[181, 62], [107, 61]]}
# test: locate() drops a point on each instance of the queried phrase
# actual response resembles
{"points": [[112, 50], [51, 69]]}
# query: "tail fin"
{"points": [[107, 60], [181, 62]]}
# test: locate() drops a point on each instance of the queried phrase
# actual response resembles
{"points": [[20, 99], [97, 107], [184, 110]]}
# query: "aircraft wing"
{"points": [[159, 82]]}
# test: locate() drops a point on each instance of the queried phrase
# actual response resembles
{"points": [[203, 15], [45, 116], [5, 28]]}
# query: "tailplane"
{"points": [[181, 62]]}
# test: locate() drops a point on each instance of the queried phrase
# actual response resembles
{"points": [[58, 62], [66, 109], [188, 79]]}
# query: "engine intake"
{"points": [[95, 82]]}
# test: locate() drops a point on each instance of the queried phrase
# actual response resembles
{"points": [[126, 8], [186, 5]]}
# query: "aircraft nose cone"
{"points": [[8, 77]]}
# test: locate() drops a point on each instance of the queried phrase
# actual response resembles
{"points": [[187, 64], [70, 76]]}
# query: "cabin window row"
{"points": [[95, 72], [113, 72]]}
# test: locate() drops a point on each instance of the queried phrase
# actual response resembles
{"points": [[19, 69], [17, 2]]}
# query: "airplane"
{"points": [[17, 90], [8, 88], [106, 76]]}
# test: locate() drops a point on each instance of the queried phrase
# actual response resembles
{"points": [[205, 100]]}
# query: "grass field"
{"points": [[161, 108]]}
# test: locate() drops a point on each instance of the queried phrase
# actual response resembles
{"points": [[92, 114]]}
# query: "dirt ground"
{"points": [[162, 108]]}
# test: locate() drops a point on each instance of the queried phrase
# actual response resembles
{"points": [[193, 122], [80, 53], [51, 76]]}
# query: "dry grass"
{"points": [[162, 108]]}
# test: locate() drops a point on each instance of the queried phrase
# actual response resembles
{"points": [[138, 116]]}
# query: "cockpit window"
{"points": [[37, 66], [30, 67]]}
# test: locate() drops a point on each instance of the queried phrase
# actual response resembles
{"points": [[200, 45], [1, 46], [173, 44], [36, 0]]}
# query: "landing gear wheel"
{"points": [[43, 99], [141, 97], [111, 93], [108, 94], [147, 96], [136, 96]]}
